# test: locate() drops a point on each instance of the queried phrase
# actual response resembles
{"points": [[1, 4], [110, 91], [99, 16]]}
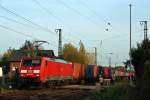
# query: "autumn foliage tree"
{"points": [[82, 54], [70, 53], [73, 54]]}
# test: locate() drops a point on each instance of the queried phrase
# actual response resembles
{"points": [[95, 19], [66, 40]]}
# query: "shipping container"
{"points": [[1, 72], [89, 73], [83, 71], [101, 72], [77, 71], [106, 72], [95, 71]]}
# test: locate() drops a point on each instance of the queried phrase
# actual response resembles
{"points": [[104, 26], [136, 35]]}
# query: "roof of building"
{"points": [[19, 54]]}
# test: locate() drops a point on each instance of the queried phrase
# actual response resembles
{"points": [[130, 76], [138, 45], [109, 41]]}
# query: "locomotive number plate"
{"points": [[30, 71]]}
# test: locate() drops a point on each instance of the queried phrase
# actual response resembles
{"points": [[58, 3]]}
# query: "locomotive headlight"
{"points": [[36, 71], [23, 71]]}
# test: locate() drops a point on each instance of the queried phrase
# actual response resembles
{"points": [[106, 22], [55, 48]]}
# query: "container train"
{"points": [[52, 71]]}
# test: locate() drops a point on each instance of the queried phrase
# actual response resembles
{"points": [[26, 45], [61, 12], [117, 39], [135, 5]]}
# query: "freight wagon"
{"points": [[105, 76], [78, 74]]}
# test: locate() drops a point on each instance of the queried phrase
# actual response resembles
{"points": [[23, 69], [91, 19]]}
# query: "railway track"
{"points": [[46, 94]]}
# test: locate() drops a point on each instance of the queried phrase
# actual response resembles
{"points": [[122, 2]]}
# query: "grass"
{"points": [[4, 90], [120, 91]]}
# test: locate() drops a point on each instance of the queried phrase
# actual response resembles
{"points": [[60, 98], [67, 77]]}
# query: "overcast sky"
{"points": [[85, 20]]}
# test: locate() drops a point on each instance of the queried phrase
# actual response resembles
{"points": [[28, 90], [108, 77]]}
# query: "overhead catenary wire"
{"points": [[93, 12], [47, 10], [53, 15], [29, 21], [79, 13], [15, 21], [21, 33], [120, 35], [50, 13], [12, 20], [140, 38], [25, 19], [100, 17], [114, 36]]}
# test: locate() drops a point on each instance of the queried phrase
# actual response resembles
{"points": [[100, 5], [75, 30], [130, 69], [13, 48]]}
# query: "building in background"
{"points": [[15, 59]]}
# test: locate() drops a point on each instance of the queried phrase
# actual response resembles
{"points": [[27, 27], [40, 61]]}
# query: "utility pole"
{"points": [[130, 35], [145, 28], [130, 31], [110, 59], [59, 41], [95, 55], [130, 41]]}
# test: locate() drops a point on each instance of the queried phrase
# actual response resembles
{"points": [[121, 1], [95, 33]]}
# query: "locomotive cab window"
{"points": [[31, 62], [35, 62]]}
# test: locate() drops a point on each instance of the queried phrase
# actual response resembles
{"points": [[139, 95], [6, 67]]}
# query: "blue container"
{"points": [[101, 72], [89, 72]]}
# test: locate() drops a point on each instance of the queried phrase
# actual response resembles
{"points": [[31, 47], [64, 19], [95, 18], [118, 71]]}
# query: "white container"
{"points": [[1, 72]]}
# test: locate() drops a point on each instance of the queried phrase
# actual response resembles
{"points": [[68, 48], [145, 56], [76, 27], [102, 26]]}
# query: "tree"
{"points": [[70, 53], [73, 54], [6, 56], [29, 47], [126, 63], [139, 56], [32, 48], [82, 54], [146, 73], [5, 59]]}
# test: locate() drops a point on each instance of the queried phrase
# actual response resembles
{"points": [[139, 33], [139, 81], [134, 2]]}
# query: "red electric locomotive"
{"points": [[45, 70]]}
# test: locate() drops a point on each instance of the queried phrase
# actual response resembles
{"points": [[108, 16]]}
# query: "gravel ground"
{"points": [[61, 93]]}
